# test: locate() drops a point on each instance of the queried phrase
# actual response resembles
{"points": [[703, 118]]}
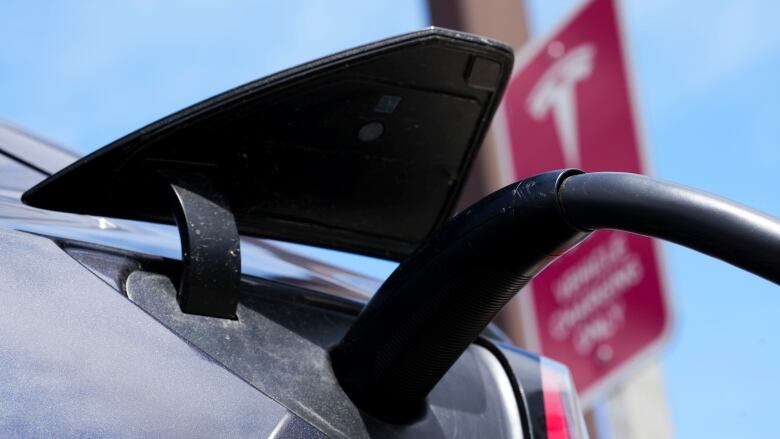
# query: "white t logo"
{"points": [[555, 92]]}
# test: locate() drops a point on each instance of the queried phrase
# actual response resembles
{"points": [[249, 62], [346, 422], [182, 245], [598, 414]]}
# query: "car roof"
{"points": [[32, 151]]}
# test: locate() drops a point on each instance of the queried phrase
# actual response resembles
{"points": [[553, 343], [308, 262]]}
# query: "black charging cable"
{"points": [[442, 296]]}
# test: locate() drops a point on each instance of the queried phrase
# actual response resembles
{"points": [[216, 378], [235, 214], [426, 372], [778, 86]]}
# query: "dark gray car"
{"points": [[205, 275]]}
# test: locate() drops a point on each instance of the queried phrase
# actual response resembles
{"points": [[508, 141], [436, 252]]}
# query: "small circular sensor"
{"points": [[371, 131]]}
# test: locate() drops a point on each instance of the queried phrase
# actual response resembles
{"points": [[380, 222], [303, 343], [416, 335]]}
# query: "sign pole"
{"points": [[503, 20]]}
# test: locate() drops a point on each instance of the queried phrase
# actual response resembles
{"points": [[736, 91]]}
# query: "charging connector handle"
{"points": [[443, 295]]}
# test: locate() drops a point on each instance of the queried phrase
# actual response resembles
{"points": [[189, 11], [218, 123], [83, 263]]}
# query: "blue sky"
{"points": [[85, 73]]}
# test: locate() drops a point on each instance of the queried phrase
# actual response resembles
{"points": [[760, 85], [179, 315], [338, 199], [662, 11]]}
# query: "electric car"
{"points": [[203, 276]]}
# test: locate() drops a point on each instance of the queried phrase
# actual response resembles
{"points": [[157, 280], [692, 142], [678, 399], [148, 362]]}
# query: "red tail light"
{"points": [[562, 414]]}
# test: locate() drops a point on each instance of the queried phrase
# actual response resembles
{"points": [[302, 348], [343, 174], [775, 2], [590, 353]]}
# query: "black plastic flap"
{"points": [[364, 151]]}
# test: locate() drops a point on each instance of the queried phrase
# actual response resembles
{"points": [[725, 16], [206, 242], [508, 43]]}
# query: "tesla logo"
{"points": [[555, 93]]}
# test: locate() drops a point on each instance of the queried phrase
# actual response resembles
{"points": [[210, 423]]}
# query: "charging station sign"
{"points": [[602, 307]]}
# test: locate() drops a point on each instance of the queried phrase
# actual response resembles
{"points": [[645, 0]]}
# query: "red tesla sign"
{"points": [[602, 306]]}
